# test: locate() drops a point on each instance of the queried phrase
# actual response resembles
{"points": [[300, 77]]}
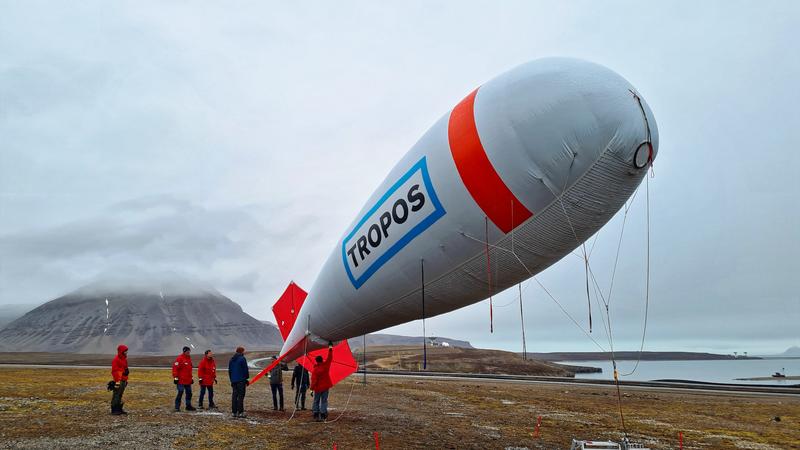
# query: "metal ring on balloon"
{"points": [[643, 155]]}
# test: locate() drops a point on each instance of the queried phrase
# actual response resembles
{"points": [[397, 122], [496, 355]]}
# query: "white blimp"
{"points": [[513, 178]]}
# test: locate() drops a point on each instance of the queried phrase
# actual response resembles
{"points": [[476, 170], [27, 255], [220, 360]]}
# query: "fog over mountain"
{"points": [[155, 316], [10, 313]]}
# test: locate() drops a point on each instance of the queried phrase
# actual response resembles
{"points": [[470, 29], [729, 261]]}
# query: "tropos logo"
{"points": [[407, 209]]}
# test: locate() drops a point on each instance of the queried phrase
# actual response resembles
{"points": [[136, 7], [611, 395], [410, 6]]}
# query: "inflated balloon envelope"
{"points": [[516, 176]]}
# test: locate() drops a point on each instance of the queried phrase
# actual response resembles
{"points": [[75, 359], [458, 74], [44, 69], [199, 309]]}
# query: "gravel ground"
{"points": [[69, 408]]}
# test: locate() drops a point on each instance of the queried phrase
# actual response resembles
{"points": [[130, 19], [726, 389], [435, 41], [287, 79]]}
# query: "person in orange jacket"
{"points": [[320, 384], [182, 377], [119, 371], [207, 375]]}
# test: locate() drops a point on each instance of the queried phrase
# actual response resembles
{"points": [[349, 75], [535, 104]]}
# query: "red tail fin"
{"points": [[286, 311], [343, 362], [287, 307]]}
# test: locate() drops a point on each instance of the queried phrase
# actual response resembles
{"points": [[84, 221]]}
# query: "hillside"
{"points": [[157, 318], [10, 313], [792, 351], [461, 360], [394, 339]]}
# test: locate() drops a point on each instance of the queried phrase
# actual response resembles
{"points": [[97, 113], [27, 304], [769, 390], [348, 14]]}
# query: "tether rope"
{"points": [[305, 356], [647, 284], [424, 332], [532, 275], [489, 277], [346, 404]]}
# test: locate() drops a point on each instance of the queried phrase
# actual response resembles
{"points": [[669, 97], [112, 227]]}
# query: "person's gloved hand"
{"points": [[111, 384], [175, 381], [126, 372], [215, 381], [247, 382], [192, 381], [330, 345], [292, 387], [200, 380]]}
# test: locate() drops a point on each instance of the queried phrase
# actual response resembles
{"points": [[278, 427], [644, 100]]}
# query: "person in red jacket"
{"points": [[182, 377], [320, 384], [119, 371], [207, 375]]}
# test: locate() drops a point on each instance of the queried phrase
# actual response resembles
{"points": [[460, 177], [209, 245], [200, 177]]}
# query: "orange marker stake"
{"points": [[377, 442], [538, 425], [680, 440]]}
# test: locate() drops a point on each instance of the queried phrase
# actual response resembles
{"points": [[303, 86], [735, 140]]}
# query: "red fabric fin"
{"points": [[342, 366], [287, 308], [343, 362]]}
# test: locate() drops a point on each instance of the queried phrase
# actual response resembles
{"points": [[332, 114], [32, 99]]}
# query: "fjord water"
{"points": [[714, 371]]}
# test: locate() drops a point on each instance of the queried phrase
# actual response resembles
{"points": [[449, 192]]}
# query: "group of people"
{"points": [[206, 375], [319, 382]]}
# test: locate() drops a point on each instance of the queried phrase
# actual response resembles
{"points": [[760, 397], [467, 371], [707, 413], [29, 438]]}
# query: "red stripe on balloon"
{"points": [[476, 171]]}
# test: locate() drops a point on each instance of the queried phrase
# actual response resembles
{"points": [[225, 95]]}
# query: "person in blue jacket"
{"points": [[239, 375]]}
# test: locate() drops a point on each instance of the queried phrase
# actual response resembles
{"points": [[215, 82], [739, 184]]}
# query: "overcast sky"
{"points": [[233, 143]]}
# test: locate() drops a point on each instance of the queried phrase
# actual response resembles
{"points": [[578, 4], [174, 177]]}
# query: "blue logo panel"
{"points": [[408, 208]]}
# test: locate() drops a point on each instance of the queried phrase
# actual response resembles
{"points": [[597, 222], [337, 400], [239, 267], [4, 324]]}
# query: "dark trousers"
{"points": [[210, 390], [320, 403], [300, 397], [116, 398], [181, 388], [277, 389], [237, 398]]}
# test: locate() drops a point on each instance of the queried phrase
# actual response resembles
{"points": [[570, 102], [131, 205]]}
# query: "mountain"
{"points": [[149, 317], [374, 340], [792, 351]]}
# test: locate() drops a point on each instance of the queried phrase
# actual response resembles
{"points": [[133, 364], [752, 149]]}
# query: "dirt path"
{"points": [[67, 408]]}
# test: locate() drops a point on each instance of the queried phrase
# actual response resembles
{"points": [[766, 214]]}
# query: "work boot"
{"points": [[212, 406], [200, 406], [316, 417], [115, 411], [242, 415], [191, 408], [177, 410], [324, 417]]}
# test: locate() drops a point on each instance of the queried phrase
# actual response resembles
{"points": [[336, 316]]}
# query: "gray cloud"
{"points": [[235, 145]]}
